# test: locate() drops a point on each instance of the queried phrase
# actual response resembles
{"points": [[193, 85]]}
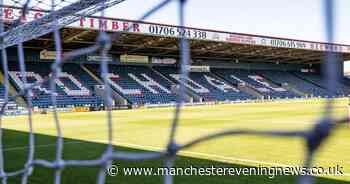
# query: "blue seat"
{"points": [[42, 98], [255, 80], [341, 88], [124, 79], [209, 87]]}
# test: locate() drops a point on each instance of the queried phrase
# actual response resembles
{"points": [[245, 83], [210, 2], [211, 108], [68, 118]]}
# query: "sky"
{"points": [[296, 19]]}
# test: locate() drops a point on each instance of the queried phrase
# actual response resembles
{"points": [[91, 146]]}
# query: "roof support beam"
{"points": [[75, 36]]}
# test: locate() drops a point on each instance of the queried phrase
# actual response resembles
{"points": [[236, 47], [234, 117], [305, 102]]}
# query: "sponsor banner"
{"points": [[99, 58], [81, 109], [119, 25], [305, 70], [47, 55], [198, 68], [235, 38], [167, 61], [51, 109], [10, 14], [133, 59]]}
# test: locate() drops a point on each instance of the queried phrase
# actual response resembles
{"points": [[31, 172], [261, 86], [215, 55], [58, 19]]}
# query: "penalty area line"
{"points": [[214, 157], [38, 146]]}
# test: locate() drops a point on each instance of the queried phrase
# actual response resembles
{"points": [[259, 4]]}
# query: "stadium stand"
{"points": [[254, 80], [74, 86], [346, 81], [286, 78], [138, 84], [11, 104], [145, 85], [316, 79], [208, 86]]}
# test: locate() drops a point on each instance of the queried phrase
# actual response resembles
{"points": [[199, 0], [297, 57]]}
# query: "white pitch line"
{"points": [[192, 153], [211, 156], [37, 146], [155, 148]]}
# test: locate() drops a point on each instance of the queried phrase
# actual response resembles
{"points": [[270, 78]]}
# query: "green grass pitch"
{"points": [[148, 129]]}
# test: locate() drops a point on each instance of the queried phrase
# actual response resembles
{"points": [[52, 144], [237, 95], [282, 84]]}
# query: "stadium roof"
{"points": [[153, 39]]}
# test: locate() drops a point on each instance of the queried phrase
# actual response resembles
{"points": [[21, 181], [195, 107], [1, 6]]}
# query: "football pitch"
{"points": [[148, 129]]}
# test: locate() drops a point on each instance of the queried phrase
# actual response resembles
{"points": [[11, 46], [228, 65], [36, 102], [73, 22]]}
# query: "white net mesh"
{"points": [[66, 12], [39, 4]]}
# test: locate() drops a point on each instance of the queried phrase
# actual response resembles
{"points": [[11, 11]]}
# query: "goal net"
{"points": [[61, 13]]}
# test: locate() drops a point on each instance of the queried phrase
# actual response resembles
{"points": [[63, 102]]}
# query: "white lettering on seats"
{"points": [[112, 78], [262, 81], [199, 88], [221, 85], [149, 83], [82, 91], [17, 77]]}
